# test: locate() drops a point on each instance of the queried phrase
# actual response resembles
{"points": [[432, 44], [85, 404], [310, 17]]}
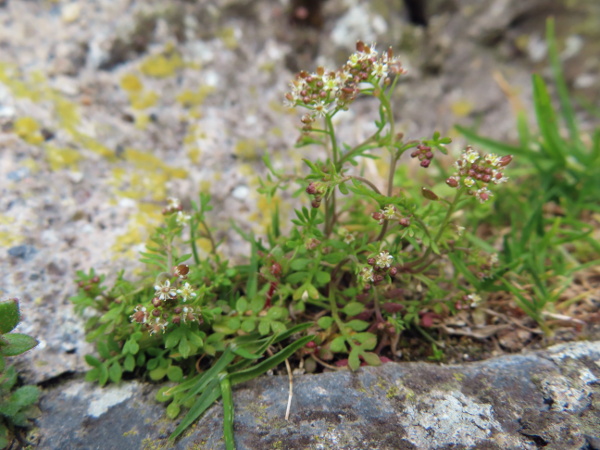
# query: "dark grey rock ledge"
{"points": [[545, 399]]}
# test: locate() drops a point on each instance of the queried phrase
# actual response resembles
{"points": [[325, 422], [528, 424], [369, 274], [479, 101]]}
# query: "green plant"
{"points": [[16, 403], [366, 260], [552, 215]]}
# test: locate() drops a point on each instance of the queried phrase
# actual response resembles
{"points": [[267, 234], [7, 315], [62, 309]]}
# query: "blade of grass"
{"points": [[568, 113], [269, 363], [228, 412], [555, 147], [208, 397]]}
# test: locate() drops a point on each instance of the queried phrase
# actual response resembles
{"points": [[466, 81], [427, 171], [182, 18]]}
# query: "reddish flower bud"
{"points": [[371, 261], [315, 203], [391, 308], [405, 222], [156, 313], [360, 46], [156, 302], [505, 160], [311, 189], [425, 163], [311, 344], [276, 269], [415, 154], [176, 320], [452, 182], [377, 216], [393, 271], [486, 178], [429, 155]]}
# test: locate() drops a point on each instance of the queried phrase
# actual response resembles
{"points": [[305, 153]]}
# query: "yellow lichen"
{"points": [[143, 100], [249, 149], [228, 37], [162, 65], [131, 83], [461, 108], [189, 98], [29, 130], [61, 158]]}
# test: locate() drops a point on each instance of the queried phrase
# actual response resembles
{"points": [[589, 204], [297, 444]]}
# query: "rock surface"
{"points": [[545, 399]]}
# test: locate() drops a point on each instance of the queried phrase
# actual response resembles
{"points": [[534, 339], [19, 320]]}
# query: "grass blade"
{"points": [[228, 413], [269, 363], [208, 397]]}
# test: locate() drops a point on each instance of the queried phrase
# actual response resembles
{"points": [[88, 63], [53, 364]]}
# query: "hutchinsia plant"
{"points": [[365, 260]]}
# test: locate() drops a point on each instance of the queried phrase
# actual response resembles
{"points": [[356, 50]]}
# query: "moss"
{"points": [[132, 432], [459, 376], [392, 392]]}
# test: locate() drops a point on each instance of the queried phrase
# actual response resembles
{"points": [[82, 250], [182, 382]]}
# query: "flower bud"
{"points": [[156, 302], [505, 160], [311, 189], [315, 203], [425, 163], [452, 182], [405, 222], [393, 271], [371, 261]]}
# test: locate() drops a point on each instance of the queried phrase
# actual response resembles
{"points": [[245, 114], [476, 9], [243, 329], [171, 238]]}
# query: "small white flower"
{"points": [[470, 156], [474, 299], [186, 292], [469, 182], [173, 203], [492, 159], [157, 326], [349, 238], [321, 109], [366, 274], [388, 212], [182, 218], [164, 291], [384, 260]]}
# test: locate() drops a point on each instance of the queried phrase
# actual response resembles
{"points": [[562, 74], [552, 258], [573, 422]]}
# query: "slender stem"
{"points": [[193, 242], [364, 180]]}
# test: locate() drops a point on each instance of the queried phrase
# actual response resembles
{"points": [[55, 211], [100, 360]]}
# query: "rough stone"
{"points": [[515, 401]]}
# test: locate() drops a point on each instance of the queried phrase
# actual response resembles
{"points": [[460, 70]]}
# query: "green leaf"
{"points": [[300, 264], [325, 322], [367, 341], [371, 359], [323, 277], [296, 277], [241, 305], [174, 337], [173, 410], [93, 374], [16, 344], [129, 363], [25, 396], [357, 325], [338, 345], [277, 327], [9, 315], [263, 327], [162, 395], [103, 374], [248, 325], [92, 361], [158, 373], [174, 373], [353, 308], [115, 372], [184, 347], [353, 360], [277, 313]]}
